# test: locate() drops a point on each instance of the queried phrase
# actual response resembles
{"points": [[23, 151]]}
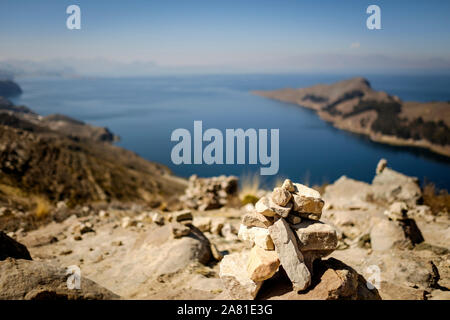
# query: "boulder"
{"points": [[289, 254], [234, 276], [262, 264], [315, 235], [35, 280], [391, 186], [346, 193], [259, 236], [333, 280], [386, 234], [10, 248]]}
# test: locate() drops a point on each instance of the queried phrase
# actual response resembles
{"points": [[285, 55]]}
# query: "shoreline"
{"points": [[351, 105]]}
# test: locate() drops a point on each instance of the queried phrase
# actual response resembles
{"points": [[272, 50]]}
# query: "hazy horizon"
{"points": [[201, 37]]}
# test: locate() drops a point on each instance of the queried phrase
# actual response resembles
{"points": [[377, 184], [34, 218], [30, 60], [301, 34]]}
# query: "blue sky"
{"points": [[245, 35]]}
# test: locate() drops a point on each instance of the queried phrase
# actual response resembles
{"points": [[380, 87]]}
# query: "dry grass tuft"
{"points": [[437, 200], [250, 185], [43, 207]]}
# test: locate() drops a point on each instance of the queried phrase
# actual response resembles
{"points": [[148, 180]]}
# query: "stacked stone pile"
{"points": [[285, 232], [209, 193]]}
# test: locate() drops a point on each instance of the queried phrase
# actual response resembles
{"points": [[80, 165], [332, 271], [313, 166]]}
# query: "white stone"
{"points": [[259, 236]]}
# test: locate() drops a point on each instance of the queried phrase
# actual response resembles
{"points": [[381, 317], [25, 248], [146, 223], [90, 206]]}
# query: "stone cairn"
{"points": [[209, 193], [285, 231]]}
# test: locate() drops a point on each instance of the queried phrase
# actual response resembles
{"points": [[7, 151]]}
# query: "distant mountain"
{"points": [[354, 106]]}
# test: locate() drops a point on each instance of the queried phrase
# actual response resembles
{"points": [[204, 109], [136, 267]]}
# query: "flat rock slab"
{"points": [[182, 215], [262, 264], [234, 276], [255, 219], [303, 204], [315, 235], [289, 254], [267, 207], [305, 191]]}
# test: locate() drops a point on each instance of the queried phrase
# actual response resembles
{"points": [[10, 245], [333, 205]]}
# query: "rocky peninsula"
{"points": [[353, 105]]}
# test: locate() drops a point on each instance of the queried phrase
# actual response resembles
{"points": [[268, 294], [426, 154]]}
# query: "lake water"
{"points": [[145, 111]]}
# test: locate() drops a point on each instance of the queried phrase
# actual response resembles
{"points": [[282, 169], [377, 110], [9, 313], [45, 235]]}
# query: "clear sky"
{"points": [[244, 35]]}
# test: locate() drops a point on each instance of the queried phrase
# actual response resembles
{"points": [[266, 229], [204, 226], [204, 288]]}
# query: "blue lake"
{"points": [[145, 111]]}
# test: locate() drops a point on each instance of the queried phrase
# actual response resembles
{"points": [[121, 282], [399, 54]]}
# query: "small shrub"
{"points": [[42, 207], [437, 200]]}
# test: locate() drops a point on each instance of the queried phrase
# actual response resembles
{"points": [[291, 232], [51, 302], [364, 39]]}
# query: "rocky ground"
{"points": [[384, 236]]}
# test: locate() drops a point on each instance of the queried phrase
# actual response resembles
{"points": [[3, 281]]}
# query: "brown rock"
{"points": [[182, 215], [315, 235], [333, 280], [262, 264], [293, 218], [288, 185], [308, 205], [235, 278], [255, 219], [281, 196], [305, 191], [279, 210]]}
